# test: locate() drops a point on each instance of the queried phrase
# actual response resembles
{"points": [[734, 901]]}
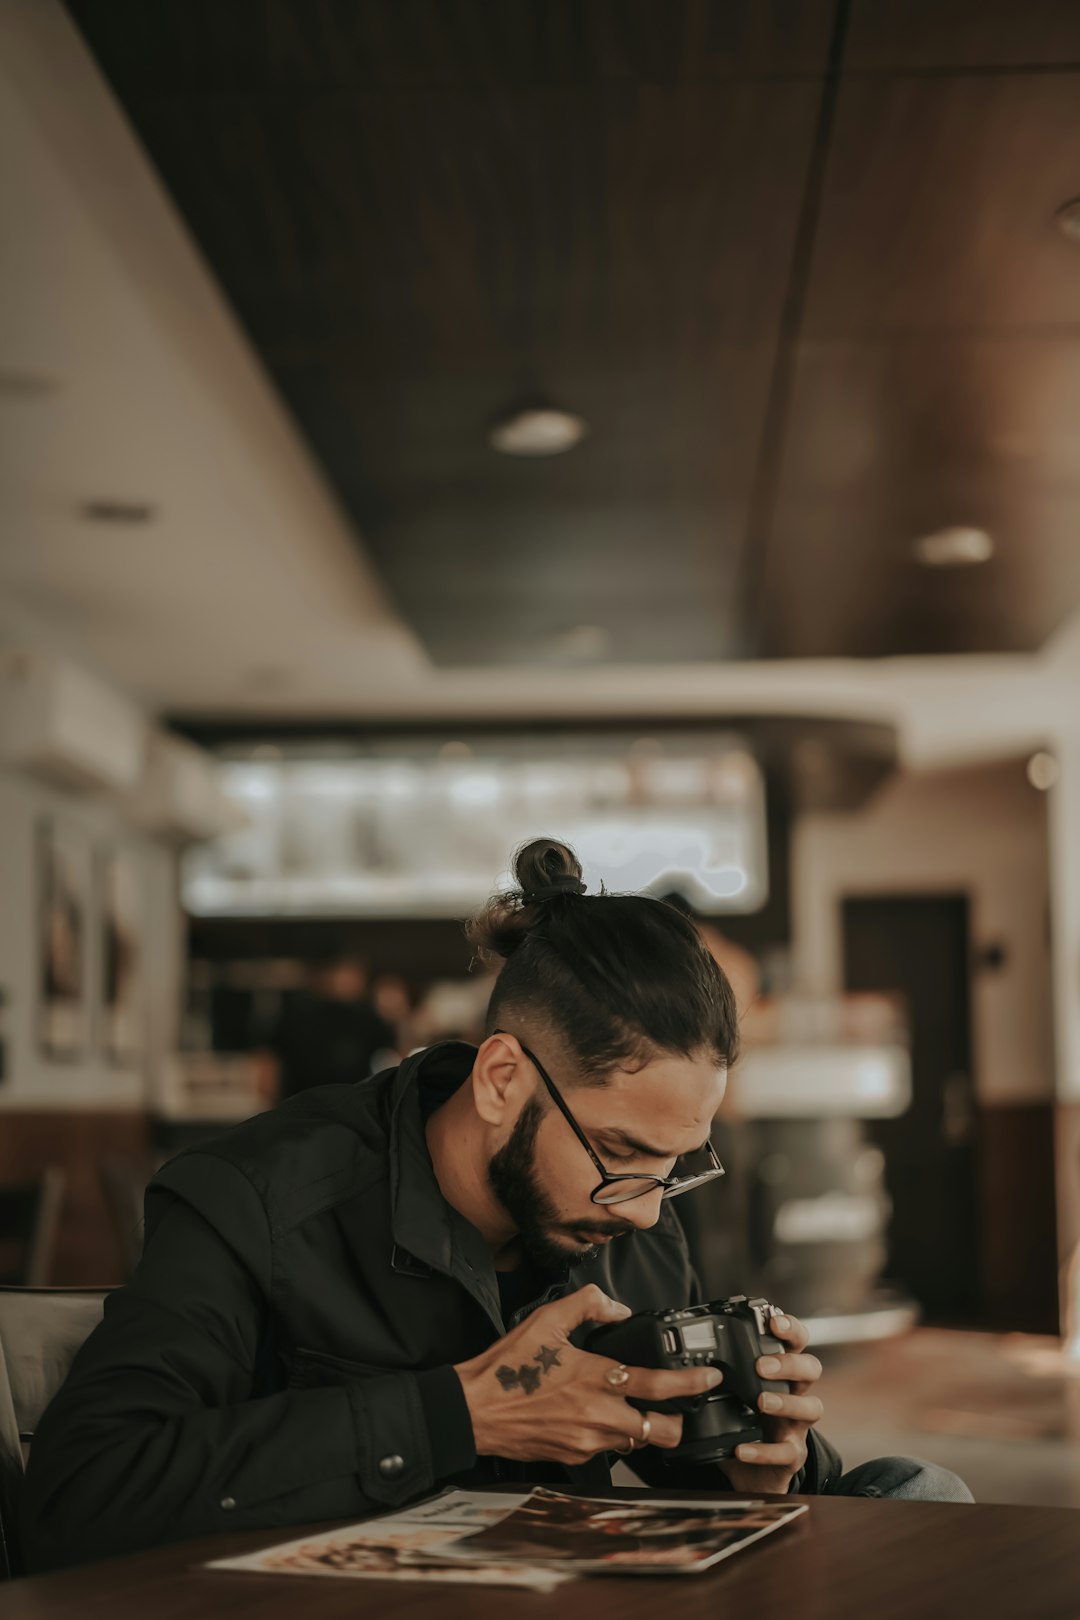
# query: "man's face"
{"points": [[638, 1123]]}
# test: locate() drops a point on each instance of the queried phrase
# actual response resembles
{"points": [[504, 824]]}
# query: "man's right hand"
{"points": [[534, 1396]]}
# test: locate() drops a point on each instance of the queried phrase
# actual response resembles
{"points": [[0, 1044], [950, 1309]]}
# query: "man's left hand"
{"points": [[773, 1464]]}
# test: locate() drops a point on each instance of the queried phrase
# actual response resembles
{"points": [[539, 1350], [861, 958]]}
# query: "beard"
{"points": [[513, 1180]]}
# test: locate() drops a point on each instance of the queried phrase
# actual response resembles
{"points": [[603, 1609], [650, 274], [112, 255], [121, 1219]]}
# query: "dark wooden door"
{"points": [[918, 946]]}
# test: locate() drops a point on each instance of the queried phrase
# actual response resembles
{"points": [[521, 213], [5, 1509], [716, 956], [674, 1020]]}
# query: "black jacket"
{"points": [[285, 1350]]}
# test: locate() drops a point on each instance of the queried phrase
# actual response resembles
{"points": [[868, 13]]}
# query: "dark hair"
{"points": [[618, 977]]}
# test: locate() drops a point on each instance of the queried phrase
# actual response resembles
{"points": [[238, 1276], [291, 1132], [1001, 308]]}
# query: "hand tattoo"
{"points": [[525, 1377]]}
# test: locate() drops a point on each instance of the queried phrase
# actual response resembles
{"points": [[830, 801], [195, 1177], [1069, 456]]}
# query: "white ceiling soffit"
{"points": [[244, 593], [147, 391]]}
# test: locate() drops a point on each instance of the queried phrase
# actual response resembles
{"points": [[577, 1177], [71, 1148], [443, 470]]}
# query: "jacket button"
{"points": [[228, 1501], [389, 1466]]}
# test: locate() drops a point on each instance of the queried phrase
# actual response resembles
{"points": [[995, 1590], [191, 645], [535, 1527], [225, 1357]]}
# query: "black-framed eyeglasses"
{"points": [[619, 1189]]}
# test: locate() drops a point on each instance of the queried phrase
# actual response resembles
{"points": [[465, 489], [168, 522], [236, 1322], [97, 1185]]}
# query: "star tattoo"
{"points": [[547, 1357], [507, 1377], [529, 1379]]}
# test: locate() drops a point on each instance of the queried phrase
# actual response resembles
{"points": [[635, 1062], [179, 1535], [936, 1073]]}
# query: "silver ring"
{"points": [[618, 1376], [646, 1430], [624, 1451]]}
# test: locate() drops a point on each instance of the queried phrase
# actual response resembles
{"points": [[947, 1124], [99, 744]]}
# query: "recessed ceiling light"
{"points": [[541, 431], [1068, 219], [1042, 771], [954, 548], [108, 511]]}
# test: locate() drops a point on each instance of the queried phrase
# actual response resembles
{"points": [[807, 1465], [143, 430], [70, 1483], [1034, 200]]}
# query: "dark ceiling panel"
{"points": [[936, 382], [939, 206], [419, 45], [493, 558], [826, 333], [657, 586], [411, 267], [880, 603], [894, 35], [935, 413], [892, 441], [482, 225]]}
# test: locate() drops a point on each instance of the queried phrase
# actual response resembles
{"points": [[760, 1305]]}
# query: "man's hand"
{"points": [[534, 1396], [772, 1465]]}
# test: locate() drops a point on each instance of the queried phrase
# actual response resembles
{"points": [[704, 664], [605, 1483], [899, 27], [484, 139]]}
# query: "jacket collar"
{"points": [[425, 1227]]}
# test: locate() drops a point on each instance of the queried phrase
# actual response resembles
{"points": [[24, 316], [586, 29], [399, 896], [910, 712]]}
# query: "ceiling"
{"points": [[795, 262], [249, 599]]}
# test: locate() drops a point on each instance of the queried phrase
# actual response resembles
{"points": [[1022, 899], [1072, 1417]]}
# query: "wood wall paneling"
{"points": [[1017, 1218], [1067, 1182], [87, 1252]]}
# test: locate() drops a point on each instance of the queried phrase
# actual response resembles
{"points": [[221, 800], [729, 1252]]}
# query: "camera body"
{"points": [[727, 1333]]}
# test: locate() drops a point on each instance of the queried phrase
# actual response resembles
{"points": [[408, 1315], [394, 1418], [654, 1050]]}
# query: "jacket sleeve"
{"points": [[157, 1434], [818, 1474]]}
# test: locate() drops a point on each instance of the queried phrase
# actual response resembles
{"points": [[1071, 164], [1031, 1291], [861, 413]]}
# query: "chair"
{"points": [[40, 1331], [29, 1220], [123, 1183]]}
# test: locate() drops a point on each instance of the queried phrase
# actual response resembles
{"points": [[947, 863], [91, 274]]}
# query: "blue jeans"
{"points": [[902, 1479]]}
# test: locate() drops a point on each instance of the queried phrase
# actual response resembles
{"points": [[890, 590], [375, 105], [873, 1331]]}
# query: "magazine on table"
{"points": [[405, 1546], [537, 1539], [601, 1536]]}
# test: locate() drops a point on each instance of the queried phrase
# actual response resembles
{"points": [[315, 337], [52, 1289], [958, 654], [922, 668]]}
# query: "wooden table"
{"points": [[847, 1559]]}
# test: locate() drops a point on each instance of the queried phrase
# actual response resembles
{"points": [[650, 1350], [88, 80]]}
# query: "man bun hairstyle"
{"points": [[618, 978]]}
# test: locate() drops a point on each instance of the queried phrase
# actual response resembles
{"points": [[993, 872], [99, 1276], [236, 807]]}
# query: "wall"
{"points": [[983, 831], [75, 1114], [980, 830], [32, 1079]]}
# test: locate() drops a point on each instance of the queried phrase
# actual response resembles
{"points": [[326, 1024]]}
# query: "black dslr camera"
{"points": [[728, 1333]]}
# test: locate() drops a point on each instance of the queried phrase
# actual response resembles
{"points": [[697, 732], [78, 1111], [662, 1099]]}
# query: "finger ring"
{"points": [[646, 1430], [618, 1376], [624, 1451]]}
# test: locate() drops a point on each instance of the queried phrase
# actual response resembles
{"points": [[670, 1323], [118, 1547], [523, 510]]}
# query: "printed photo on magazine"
{"points": [[595, 1536], [406, 1546]]}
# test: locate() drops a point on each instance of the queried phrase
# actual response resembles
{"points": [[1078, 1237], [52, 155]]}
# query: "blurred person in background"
{"points": [[738, 965], [329, 1033], [454, 1010], [393, 1001]]}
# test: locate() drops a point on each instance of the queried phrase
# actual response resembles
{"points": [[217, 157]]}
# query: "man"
{"points": [[374, 1290], [332, 1033]]}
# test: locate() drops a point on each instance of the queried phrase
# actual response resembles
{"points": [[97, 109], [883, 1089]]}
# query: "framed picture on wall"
{"points": [[120, 896], [63, 886]]}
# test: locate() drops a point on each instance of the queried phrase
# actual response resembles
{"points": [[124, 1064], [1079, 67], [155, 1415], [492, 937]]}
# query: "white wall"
{"points": [[981, 830], [33, 1080]]}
